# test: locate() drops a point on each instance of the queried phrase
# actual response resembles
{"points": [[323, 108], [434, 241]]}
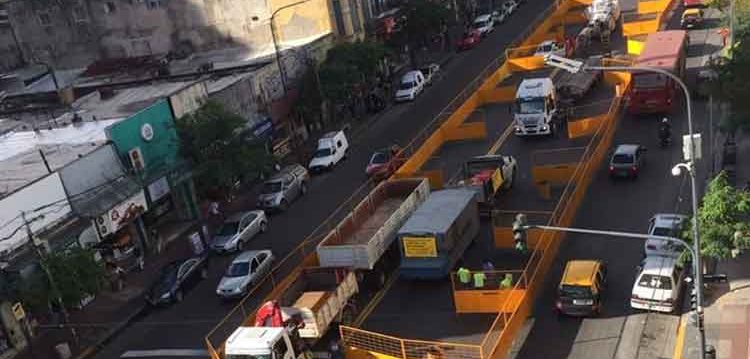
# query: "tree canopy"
{"points": [[221, 148], [349, 65]]}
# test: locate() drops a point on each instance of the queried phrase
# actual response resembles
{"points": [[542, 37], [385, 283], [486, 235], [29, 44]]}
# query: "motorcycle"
{"points": [[665, 138]]}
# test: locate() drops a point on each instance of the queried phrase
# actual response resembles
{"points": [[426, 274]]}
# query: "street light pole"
{"points": [[575, 66], [282, 74]]}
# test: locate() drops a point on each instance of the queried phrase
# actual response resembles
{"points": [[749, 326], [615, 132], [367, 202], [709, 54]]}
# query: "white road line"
{"points": [[165, 353]]}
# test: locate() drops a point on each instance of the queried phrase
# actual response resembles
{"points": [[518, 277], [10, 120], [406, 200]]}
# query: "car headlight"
{"points": [[165, 296], [218, 291], [544, 128]]}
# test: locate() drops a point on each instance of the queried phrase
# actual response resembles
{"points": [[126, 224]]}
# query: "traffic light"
{"points": [[519, 232]]}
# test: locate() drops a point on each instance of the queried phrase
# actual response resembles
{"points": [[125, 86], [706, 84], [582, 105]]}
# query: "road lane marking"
{"points": [[370, 307], [501, 140], [165, 353], [679, 342]]}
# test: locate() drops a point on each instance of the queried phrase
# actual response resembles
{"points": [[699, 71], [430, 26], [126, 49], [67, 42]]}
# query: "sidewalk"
{"points": [[109, 312]]}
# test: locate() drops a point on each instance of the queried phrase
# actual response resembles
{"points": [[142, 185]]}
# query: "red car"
{"points": [[469, 40]]}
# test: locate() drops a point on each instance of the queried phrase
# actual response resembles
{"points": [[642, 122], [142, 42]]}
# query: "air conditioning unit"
{"points": [[136, 160]]}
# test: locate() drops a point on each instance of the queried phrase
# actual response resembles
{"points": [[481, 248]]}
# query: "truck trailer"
{"points": [[487, 175]]}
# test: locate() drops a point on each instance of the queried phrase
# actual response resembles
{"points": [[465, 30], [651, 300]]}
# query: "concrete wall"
{"points": [[188, 99], [97, 168]]}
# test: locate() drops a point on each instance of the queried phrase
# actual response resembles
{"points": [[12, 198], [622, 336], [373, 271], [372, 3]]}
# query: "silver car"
{"points": [[246, 270], [238, 229]]}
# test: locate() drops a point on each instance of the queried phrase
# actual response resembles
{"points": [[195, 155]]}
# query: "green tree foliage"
{"points": [[722, 213], [349, 65], [424, 19], [221, 148], [309, 103]]}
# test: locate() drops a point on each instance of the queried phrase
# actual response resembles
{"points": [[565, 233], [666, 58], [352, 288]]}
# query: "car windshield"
{"points": [[271, 187], [378, 158], [545, 48], [228, 229], [322, 152], [662, 231], [531, 106], [575, 292], [238, 269], [480, 23], [622, 158], [655, 281], [407, 85], [642, 80], [425, 70]]}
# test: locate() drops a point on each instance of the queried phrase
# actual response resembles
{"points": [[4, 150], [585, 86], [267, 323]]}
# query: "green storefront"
{"points": [[148, 145]]}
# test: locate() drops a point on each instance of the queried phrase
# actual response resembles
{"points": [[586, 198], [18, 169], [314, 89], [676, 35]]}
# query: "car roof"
{"points": [[248, 255], [579, 272], [626, 149], [483, 17], [658, 265], [410, 75], [668, 219], [692, 12], [236, 217]]}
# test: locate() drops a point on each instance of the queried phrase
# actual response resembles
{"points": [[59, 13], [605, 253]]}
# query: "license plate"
{"points": [[583, 301]]}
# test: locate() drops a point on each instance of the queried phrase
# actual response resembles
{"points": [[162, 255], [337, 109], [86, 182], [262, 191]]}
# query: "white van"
{"points": [[658, 285], [412, 84], [332, 148]]}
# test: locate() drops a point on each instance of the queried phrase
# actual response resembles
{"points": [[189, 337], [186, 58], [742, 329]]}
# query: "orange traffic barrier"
{"points": [[584, 127]]}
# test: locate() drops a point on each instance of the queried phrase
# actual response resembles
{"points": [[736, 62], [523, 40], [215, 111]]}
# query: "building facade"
{"points": [[11, 55]]}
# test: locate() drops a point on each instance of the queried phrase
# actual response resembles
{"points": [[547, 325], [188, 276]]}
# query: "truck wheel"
{"points": [[284, 205], [303, 188]]}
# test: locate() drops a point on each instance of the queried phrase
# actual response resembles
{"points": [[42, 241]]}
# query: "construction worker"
{"points": [[507, 282], [464, 276], [479, 278]]}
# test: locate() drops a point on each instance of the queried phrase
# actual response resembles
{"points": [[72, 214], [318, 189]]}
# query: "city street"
{"points": [[179, 330]]}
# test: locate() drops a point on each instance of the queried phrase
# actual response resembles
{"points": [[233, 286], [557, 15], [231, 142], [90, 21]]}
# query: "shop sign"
{"points": [[420, 247], [158, 189], [122, 214]]}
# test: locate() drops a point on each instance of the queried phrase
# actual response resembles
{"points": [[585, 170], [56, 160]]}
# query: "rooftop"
{"points": [[125, 102]]}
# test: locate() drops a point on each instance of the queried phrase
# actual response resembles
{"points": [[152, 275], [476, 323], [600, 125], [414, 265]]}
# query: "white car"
{"points": [[484, 24], [431, 73], [499, 16], [658, 285], [668, 225], [245, 271], [550, 47], [238, 229], [412, 84], [509, 7]]}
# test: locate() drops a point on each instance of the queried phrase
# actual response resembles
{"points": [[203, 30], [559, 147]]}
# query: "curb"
{"points": [[111, 333]]}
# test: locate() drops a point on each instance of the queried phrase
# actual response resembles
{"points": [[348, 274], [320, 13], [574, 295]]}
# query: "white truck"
{"points": [[360, 240], [602, 16], [315, 298], [535, 109]]}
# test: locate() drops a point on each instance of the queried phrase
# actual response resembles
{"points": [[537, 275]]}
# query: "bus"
{"points": [[651, 92]]}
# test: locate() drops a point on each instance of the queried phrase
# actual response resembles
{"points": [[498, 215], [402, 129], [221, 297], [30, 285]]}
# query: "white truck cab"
{"points": [[535, 108], [332, 148], [261, 343]]}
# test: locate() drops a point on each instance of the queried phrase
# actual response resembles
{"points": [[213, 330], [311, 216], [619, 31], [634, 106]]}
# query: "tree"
{"points": [[722, 213], [424, 20], [221, 148]]}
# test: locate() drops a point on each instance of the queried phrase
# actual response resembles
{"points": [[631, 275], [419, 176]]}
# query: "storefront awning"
{"points": [[100, 200]]}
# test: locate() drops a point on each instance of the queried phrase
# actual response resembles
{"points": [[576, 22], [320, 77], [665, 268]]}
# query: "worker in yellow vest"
{"points": [[464, 276]]}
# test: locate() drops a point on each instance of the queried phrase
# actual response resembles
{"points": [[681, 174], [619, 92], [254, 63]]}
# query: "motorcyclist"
{"points": [[665, 130]]}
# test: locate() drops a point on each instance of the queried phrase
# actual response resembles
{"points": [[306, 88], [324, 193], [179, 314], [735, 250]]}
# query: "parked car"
{"points": [[431, 73], [484, 24], [412, 84], [245, 271], [499, 16], [668, 225], [691, 18], [378, 161], [469, 40], [658, 285], [627, 161], [332, 149], [550, 47], [238, 229], [509, 7], [283, 188], [176, 278], [582, 287]]}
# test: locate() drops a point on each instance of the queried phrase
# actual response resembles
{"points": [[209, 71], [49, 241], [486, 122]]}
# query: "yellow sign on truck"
{"points": [[420, 247]]}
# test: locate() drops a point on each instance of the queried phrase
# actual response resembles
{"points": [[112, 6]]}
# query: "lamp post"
{"points": [[575, 66], [282, 74]]}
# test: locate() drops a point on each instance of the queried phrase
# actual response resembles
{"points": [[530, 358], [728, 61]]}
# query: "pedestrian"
{"points": [[479, 278], [464, 276], [487, 265], [507, 282]]}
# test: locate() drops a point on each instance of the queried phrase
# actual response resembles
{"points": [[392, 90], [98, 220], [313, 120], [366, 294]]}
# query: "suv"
{"points": [[668, 225], [627, 161], [581, 288], [658, 285]]}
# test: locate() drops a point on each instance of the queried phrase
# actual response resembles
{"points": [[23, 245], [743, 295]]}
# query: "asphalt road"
{"points": [[160, 333]]}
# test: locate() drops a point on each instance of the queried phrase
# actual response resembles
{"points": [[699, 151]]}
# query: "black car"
{"points": [[175, 278]]}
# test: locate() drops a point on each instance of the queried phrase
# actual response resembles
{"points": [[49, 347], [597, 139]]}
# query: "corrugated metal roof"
{"points": [[125, 102], [439, 211]]}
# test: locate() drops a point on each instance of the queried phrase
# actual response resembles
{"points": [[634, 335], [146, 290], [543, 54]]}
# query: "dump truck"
{"points": [[304, 311], [487, 175], [361, 240], [572, 87], [438, 233]]}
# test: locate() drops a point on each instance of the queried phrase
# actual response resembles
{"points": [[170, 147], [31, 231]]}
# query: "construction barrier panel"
{"points": [[650, 6], [503, 237], [576, 17], [386, 346], [635, 24], [556, 174], [635, 44], [585, 127], [467, 131], [499, 287], [505, 94], [528, 63]]}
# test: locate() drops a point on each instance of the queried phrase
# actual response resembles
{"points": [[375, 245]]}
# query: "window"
{"points": [[154, 4], [109, 7], [623, 158], [44, 18], [655, 281], [80, 14]]}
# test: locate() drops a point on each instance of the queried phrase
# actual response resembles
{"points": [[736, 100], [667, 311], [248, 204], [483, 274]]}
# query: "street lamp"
{"points": [[575, 66], [282, 73]]}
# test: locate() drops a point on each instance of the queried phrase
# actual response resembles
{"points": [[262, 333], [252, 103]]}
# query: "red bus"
{"points": [[651, 92]]}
